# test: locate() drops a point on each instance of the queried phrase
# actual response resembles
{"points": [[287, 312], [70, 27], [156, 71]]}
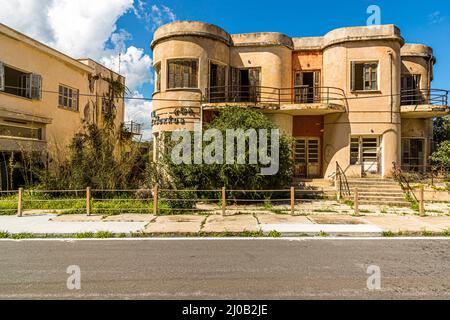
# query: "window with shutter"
{"points": [[182, 74], [2, 77], [364, 76], [158, 77], [36, 86]]}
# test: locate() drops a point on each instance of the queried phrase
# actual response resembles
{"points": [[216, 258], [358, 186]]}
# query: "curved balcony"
{"points": [[300, 100], [429, 103]]}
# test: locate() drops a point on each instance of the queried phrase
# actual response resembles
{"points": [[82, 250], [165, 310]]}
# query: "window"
{"points": [[20, 132], [182, 74], [107, 106], [68, 98], [158, 77], [364, 76], [19, 83]]}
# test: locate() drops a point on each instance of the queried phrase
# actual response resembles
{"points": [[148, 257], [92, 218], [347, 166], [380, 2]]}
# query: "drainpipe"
{"points": [[392, 78]]}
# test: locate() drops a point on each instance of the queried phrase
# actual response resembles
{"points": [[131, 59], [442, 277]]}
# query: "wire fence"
{"points": [[152, 201]]}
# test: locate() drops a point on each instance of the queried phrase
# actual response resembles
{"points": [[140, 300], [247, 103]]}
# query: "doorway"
{"points": [[307, 157], [217, 82], [366, 151], [411, 94], [413, 154], [306, 87], [245, 84]]}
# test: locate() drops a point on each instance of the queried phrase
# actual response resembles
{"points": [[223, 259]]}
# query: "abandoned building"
{"points": [[359, 96]]}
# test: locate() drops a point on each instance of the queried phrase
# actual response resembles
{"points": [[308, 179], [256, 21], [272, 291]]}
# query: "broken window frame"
{"points": [[368, 77]]}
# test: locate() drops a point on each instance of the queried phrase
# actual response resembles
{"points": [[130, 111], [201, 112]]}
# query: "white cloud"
{"points": [[153, 15], [87, 28], [134, 63], [140, 111], [435, 17]]}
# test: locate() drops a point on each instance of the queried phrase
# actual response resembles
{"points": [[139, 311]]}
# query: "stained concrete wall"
{"points": [[374, 113]]}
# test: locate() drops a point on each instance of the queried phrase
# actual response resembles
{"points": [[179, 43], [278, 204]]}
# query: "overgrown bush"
{"points": [[232, 176]]}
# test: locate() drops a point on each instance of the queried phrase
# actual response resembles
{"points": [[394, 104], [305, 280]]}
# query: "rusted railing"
{"points": [[403, 180], [133, 127], [435, 97], [343, 188], [276, 96]]}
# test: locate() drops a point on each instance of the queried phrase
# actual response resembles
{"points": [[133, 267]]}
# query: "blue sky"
{"points": [[103, 29], [425, 22]]}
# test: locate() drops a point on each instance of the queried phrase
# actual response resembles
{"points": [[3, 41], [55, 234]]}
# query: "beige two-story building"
{"points": [[46, 97], [359, 97]]}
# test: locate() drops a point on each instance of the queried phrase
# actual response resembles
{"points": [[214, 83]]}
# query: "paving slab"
{"points": [[176, 224], [337, 219], [44, 224], [77, 218], [237, 223], [438, 222], [402, 223], [131, 218], [330, 229], [279, 219]]}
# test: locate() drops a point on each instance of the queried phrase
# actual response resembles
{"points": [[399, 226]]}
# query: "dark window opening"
{"points": [[411, 94], [21, 132], [19, 83], [364, 76]]}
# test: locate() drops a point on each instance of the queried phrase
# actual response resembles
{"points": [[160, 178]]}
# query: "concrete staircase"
{"points": [[378, 191]]}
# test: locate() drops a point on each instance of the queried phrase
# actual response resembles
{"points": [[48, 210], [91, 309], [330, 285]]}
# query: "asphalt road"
{"points": [[226, 269]]}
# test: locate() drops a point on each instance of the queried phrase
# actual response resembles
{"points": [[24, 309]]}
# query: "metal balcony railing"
{"points": [[133, 127], [435, 97], [276, 96]]}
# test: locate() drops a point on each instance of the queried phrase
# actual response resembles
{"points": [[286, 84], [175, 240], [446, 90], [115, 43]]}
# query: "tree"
{"points": [[441, 129], [232, 176], [442, 156]]}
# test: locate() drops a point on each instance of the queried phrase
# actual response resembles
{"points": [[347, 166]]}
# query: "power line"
{"points": [[127, 97]]}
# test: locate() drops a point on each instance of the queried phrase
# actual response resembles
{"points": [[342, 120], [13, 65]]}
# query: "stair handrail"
{"points": [[404, 183], [342, 181]]}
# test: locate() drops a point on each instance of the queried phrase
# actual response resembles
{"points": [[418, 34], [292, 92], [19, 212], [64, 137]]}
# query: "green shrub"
{"points": [[274, 234], [4, 235]]}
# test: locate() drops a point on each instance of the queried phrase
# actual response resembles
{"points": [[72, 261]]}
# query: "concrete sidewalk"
{"points": [[286, 225]]}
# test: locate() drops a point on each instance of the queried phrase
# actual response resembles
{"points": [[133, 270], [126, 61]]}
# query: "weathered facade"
{"points": [[46, 96], [359, 96]]}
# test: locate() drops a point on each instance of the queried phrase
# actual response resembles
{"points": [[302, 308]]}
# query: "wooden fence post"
{"points": [[155, 200], [20, 202], [224, 201], [88, 201], [356, 204], [292, 200], [422, 201]]}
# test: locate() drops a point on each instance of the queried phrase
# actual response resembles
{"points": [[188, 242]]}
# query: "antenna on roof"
{"points": [[120, 60]]}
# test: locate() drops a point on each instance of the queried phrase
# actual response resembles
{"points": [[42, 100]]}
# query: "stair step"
{"points": [[382, 198], [381, 203]]}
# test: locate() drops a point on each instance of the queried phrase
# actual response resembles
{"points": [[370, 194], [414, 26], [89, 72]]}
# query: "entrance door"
{"points": [[413, 154], [307, 157], [366, 152], [370, 153]]}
